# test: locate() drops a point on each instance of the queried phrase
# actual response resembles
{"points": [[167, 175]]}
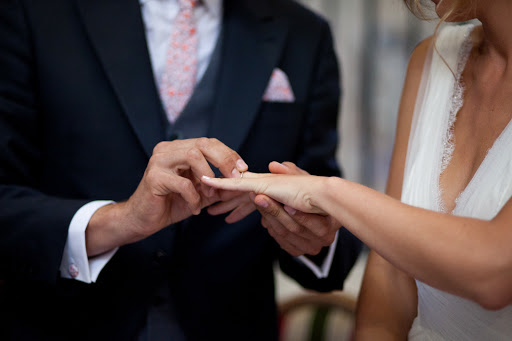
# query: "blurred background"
{"points": [[374, 39]]}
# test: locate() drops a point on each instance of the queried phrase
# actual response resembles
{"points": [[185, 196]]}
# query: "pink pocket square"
{"points": [[279, 89]]}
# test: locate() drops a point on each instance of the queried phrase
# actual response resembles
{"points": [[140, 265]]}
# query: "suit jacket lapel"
{"points": [[253, 40], [116, 31]]}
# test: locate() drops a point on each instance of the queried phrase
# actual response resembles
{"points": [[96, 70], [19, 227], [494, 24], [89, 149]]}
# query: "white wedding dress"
{"points": [[442, 316]]}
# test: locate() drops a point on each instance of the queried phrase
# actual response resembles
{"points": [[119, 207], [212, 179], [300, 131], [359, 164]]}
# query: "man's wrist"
{"points": [[75, 262], [108, 228]]}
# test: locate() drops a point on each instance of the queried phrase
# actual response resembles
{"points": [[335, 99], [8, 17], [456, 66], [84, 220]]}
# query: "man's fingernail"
{"points": [[241, 165], [235, 173], [206, 177], [290, 210], [262, 203], [282, 164]]}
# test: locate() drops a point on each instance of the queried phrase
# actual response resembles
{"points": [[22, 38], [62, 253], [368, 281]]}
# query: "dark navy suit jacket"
{"points": [[79, 117]]}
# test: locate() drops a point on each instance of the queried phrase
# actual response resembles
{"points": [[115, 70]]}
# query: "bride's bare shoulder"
{"points": [[405, 113], [413, 76], [419, 56]]}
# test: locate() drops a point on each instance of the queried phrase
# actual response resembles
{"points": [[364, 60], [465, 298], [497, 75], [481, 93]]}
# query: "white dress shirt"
{"points": [[158, 17]]}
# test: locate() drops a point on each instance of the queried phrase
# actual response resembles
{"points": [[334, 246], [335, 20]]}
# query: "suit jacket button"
{"points": [[159, 258], [159, 254]]}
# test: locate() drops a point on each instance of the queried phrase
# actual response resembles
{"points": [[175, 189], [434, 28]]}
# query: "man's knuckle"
{"points": [[185, 185], [159, 148], [196, 200], [161, 159], [283, 233], [230, 158], [214, 141], [194, 154], [203, 143], [322, 232], [300, 229], [329, 239], [152, 176], [300, 219], [315, 250], [293, 228], [152, 163]]}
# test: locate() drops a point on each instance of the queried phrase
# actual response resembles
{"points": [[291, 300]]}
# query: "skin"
{"points": [[455, 254], [296, 232], [387, 303], [169, 191], [467, 257]]}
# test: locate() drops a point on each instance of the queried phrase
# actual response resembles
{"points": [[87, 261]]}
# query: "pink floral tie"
{"points": [[181, 65]]}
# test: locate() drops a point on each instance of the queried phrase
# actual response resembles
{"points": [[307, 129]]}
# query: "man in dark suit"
{"points": [[81, 94]]}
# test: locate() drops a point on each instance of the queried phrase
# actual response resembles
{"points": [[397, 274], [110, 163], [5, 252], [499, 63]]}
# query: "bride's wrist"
{"points": [[330, 187]]}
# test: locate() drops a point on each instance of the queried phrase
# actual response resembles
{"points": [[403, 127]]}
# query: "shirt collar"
{"points": [[213, 6]]}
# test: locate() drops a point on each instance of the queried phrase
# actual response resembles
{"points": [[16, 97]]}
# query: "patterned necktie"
{"points": [[179, 76]]}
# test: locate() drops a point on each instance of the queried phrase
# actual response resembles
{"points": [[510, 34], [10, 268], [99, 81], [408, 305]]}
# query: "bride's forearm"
{"points": [[464, 256]]}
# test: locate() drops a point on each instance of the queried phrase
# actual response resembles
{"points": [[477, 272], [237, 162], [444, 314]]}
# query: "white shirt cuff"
{"points": [[323, 271], [75, 263]]}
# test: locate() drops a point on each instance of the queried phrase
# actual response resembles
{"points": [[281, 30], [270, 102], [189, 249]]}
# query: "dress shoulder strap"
{"points": [[432, 115]]}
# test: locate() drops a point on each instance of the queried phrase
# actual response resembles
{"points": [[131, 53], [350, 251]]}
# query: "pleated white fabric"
{"points": [[442, 316]]}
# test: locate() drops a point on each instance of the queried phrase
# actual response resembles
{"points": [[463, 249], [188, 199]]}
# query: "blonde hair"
{"points": [[420, 8]]}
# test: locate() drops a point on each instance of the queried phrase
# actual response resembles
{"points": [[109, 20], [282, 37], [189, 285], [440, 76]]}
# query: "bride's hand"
{"points": [[298, 233], [241, 204], [296, 191]]}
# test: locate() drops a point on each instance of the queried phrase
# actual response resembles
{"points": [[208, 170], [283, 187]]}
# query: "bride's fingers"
{"points": [[234, 184], [251, 175]]}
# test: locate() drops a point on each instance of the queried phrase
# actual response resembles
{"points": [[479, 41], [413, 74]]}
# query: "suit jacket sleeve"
{"points": [[320, 140], [33, 222]]}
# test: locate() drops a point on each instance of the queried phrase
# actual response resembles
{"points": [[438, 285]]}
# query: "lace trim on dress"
{"points": [[455, 105]]}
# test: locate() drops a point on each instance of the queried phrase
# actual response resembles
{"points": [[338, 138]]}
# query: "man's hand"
{"points": [[170, 191], [298, 233], [240, 204]]}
